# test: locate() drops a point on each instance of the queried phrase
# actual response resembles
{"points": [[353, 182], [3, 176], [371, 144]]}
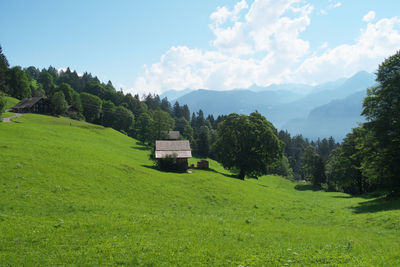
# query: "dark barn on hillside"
{"points": [[33, 105]]}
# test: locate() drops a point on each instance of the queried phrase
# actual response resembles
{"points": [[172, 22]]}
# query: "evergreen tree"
{"points": [[3, 70], [313, 166]]}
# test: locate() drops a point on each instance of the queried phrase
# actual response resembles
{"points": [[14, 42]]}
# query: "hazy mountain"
{"points": [[239, 101], [336, 118], [323, 94], [286, 109], [174, 94]]}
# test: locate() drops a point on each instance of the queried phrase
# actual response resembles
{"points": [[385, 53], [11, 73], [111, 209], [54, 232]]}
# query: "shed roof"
{"points": [[179, 148], [27, 102]]}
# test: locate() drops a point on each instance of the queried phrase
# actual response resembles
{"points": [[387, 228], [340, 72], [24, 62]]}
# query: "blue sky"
{"points": [[154, 46]]}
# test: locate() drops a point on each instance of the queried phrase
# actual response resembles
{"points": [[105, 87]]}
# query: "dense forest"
{"points": [[366, 160]]}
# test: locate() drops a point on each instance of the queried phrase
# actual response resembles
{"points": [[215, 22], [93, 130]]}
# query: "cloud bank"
{"points": [[261, 44]]}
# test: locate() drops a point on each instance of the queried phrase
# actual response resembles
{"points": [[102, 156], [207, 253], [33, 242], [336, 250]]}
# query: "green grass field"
{"points": [[82, 194]]}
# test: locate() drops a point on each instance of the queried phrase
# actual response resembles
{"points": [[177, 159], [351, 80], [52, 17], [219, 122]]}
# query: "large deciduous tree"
{"points": [[247, 143], [382, 111]]}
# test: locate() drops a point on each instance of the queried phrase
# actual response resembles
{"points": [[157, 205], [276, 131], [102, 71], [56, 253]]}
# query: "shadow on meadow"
{"points": [[140, 146], [376, 205], [234, 176], [307, 187], [153, 167]]}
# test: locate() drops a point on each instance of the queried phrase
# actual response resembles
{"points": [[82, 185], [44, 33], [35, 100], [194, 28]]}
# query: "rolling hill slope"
{"points": [[73, 193]]}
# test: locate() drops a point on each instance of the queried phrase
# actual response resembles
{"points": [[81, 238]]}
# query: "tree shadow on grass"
{"points": [[376, 205], [307, 187], [234, 176], [140, 146], [153, 167], [350, 196]]}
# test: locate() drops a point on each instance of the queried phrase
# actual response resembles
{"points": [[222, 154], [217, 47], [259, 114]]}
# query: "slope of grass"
{"points": [[73, 193], [6, 114], [11, 101]]}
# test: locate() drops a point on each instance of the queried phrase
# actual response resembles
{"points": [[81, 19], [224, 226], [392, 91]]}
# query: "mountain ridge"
{"points": [[282, 107]]}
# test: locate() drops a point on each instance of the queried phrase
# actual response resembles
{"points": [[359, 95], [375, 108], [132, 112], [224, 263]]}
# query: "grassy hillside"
{"points": [[73, 193], [10, 103]]}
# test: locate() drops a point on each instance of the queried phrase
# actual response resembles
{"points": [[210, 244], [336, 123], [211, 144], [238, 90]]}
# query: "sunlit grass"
{"points": [[73, 193]]}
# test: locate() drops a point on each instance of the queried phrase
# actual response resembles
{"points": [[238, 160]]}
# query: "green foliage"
{"points": [[162, 122], [123, 119], [58, 103], [47, 82], [188, 133], [3, 103], [313, 166], [382, 110], [248, 143], [294, 147], [3, 71], [107, 117], [281, 167], [86, 195], [144, 126], [76, 102], [18, 83], [203, 142], [343, 169], [67, 91], [91, 106]]}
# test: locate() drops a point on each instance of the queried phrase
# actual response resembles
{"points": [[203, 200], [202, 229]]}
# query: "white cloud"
{"points": [[376, 42], [335, 5], [222, 14], [330, 7], [263, 46], [369, 16], [323, 46]]}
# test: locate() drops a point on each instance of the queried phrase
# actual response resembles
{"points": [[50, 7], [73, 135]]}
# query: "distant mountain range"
{"points": [[329, 109]]}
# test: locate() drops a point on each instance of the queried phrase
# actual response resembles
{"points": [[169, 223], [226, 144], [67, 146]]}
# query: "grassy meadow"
{"points": [[73, 193]]}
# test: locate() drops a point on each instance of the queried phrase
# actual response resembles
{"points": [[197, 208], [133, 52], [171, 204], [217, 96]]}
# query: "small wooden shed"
{"points": [[202, 164], [176, 150]]}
